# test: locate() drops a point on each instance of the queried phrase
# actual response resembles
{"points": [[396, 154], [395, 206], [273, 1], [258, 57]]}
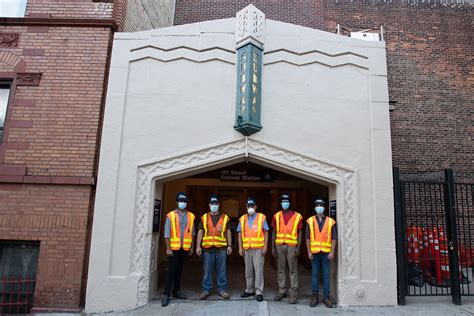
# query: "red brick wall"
{"points": [[301, 12], [52, 136], [65, 117], [430, 75], [56, 216], [429, 60], [71, 9]]}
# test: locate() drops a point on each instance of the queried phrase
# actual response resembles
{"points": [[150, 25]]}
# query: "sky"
{"points": [[12, 8]]}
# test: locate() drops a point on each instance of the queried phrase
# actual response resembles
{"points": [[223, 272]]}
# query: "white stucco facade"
{"points": [[170, 112]]}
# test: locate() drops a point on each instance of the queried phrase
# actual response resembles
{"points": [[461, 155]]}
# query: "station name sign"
{"points": [[244, 175]]}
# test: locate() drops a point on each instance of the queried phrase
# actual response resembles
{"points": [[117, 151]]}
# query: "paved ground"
{"points": [[431, 306], [422, 306], [248, 307]]}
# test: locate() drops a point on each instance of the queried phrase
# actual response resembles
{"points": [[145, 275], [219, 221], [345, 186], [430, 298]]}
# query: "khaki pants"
{"points": [[254, 261], [286, 254]]}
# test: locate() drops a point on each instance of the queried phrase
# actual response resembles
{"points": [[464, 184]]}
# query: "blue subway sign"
{"points": [[249, 90]]}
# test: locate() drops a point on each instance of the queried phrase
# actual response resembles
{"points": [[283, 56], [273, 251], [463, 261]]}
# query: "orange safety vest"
{"points": [[175, 236], [287, 233], [320, 241], [214, 235], [252, 237]]}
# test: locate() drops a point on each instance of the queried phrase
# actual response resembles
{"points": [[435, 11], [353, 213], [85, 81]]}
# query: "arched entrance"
{"points": [[325, 116], [340, 180]]}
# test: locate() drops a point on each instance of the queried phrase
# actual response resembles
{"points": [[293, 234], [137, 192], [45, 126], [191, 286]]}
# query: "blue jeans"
{"points": [[320, 260], [214, 258]]}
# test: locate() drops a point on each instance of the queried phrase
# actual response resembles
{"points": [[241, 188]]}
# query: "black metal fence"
{"points": [[435, 237]]}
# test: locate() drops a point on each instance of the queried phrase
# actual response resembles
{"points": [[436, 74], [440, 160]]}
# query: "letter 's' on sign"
{"points": [[250, 23]]}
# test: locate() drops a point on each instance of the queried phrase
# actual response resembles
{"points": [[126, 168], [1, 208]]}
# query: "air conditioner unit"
{"points": [[366, 36]]}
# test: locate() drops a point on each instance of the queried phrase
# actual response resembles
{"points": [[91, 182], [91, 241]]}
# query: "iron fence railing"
{"points": [[16, 294], [435, 237]]}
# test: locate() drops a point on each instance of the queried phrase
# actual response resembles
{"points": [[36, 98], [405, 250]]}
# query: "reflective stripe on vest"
{"points": [[214, 235], [287, 233], [175, 236], [252, 237], [320, 241]]}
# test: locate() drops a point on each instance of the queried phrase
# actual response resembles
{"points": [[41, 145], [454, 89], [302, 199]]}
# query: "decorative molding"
{"points": [[359, 293], [20, 123], [33, 52], [28, 78], [149, 172], [15, 61], [22, 179], [59, 22], [9, 40], [283, 55], [249, 26], [274, 51], [24, 102], [12, 170], [183, 52]]}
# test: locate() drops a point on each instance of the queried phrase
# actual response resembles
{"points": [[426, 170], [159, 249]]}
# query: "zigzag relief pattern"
{"points": [[283, 55], [142, 247], [315, 51], [183, 53]]}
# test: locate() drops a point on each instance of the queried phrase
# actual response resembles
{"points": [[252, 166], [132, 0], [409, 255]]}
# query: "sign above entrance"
{"points": [[245, 175], [249, 39]]}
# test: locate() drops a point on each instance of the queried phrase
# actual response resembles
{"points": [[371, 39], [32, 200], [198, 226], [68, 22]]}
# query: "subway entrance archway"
{"points": [[233, 184], [169, 115]]}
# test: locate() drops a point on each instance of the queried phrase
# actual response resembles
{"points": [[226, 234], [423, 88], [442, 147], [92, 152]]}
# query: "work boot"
{"points": [[224, 295], [180, 296], [246, 294], [329, 302], [314, 300], [279, 296], [165, 301], [204, 295], [292, 299]]}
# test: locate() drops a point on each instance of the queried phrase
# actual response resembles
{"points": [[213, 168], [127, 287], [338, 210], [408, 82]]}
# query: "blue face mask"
{"points": [[214, 208], [285, 205], [182, 205], [319, 209]]}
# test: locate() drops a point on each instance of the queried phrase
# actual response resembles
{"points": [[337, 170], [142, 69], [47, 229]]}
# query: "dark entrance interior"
{"points": [[234, 184]]}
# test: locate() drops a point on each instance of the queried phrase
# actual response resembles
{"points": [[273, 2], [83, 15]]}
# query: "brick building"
{"points": [[54, 60], [429, 61]]}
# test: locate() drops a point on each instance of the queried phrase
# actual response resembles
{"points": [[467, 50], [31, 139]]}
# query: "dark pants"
{"points": [[175, 269], [320, 262]]}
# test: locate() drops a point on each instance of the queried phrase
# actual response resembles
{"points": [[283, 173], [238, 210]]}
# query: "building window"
{"points": [[12, 8], [4, 96], [18, 264]]}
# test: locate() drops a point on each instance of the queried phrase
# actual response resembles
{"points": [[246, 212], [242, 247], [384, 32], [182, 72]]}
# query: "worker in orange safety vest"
{"points": [[321, 237], [179, 233], [252, 238], [216, 238], [286, 244]]}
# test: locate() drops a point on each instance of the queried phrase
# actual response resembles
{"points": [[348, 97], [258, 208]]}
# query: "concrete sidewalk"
{"points": [[415, 306]]}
